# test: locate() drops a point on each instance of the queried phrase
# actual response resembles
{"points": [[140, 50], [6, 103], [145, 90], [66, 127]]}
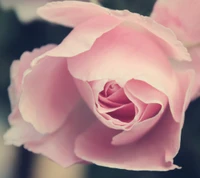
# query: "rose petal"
{"points": [[105, 103], [17, 70], [84, 35], [70, 13], [87, 94], [155, 151], [59, 146], [125, 114], [48, 95], [185, 24], [148, 95], [167, 38], [27, 57], [194, 66], [20, 131]]}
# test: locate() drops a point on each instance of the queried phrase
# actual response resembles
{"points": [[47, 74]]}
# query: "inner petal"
{"points": [[151, 110], [124, 114], [110, 88], [115, 104]]}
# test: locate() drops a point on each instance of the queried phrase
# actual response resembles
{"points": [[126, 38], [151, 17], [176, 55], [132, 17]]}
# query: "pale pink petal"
{"points": [[59, 146], [155, 151], [194, 65], [70, 13], [84, 35], [66, 13], [17, 70], [125, 48], [27, 57], [48, 95], [20, 131], [148, 95], [164, 36], [182, 16], [133, 55], [15, 116]]}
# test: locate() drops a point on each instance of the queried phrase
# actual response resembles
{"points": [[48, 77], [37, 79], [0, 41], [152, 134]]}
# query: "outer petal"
{"points": [[48, 95], [165, 37], [155, 151], [194, 65], [17, 70], [70, 13], [20, 131], [84, 35], [59, 146], [146, 94], [63, 13], [182, 16]]}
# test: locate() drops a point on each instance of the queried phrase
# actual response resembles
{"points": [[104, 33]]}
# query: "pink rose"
{"points": [[134, 98], [183, 17], [26, 9]]}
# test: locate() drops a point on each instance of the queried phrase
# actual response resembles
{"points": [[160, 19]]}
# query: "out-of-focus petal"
{"points": [[20, 131], [182, 16], [59, 146], [48, 95], [193, 65], [17, 70]]}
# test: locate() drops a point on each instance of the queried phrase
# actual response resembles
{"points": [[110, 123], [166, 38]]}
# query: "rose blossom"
{"points": [[183, 17], [134, 98], [26, 9]]}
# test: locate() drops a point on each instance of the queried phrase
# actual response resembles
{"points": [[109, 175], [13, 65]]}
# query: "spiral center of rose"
{"points": [[115, 103]]}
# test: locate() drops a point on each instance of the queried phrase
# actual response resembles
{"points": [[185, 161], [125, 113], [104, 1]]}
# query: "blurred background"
{"points": [[17, 37]]}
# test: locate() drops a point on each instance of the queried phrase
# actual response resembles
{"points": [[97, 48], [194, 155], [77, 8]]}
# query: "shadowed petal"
{"points": [[59, 146], [155, 151], [48, 95]]}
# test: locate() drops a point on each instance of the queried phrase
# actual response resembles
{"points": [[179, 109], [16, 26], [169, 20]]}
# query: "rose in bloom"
{"points": [[183, 17], [26, 9], [109, 94]]}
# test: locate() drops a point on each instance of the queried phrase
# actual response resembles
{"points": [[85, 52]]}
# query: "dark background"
{"points": [[15, 38]]}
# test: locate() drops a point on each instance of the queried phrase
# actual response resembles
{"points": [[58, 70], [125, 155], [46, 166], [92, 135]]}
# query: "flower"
{"points": [[174, 14], [26, 9], [108, 94]]}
